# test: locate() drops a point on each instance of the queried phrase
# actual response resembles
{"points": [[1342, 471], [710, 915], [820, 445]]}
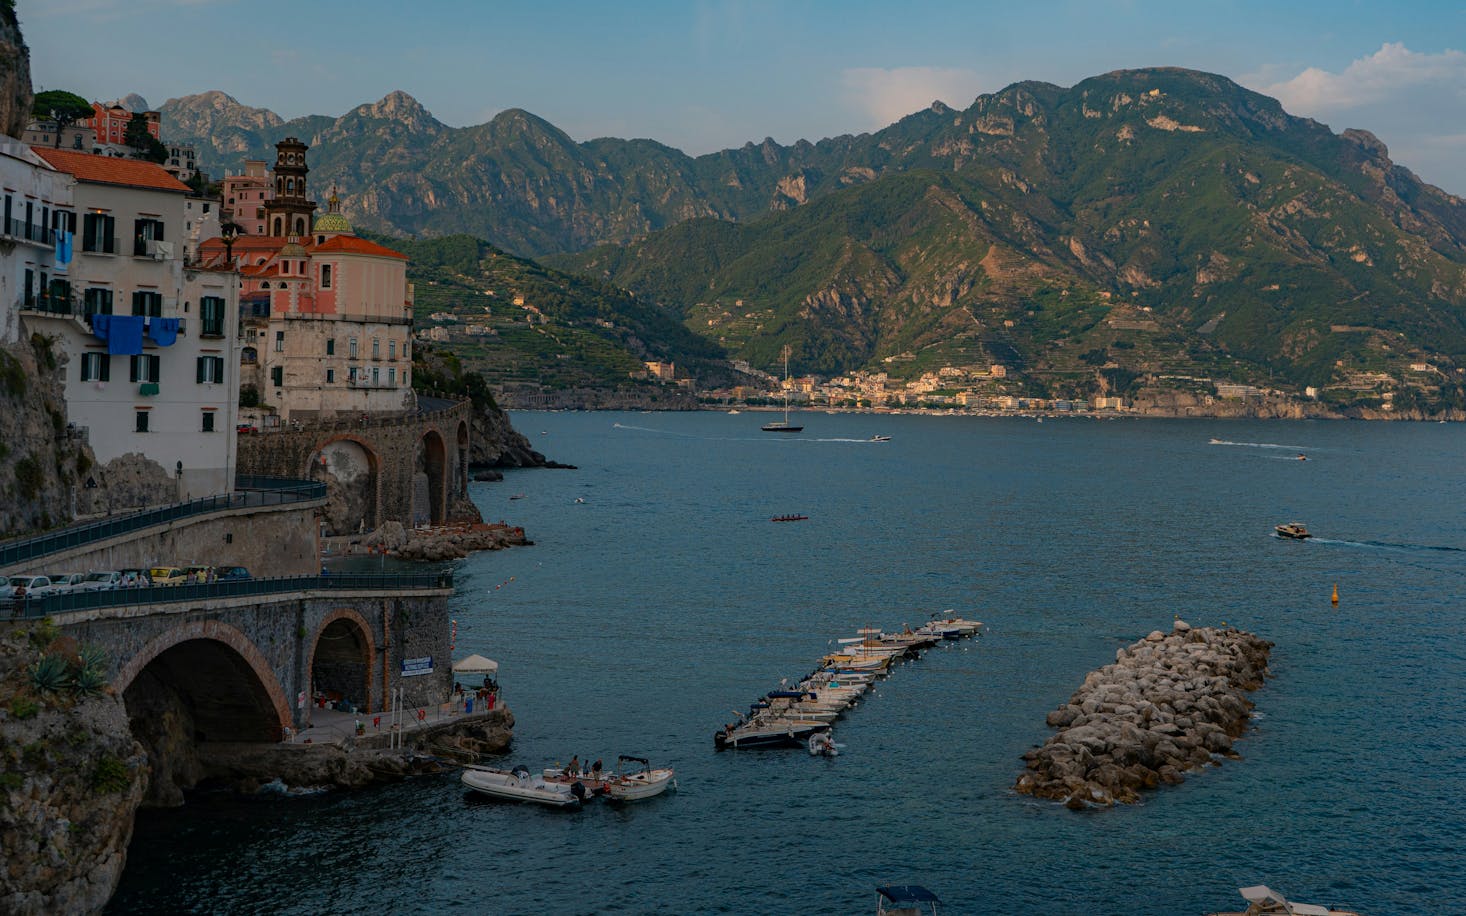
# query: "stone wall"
{"points": [[395, 449], [266, 540]]}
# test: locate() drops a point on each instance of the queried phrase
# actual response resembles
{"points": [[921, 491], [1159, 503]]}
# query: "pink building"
{"points": [[246, 195], [109, 123]]}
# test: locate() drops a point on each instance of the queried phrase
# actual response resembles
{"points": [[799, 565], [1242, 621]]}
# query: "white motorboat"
{"points": [[639, 782], [520, 785], [822, 745], [769, 732], [1264, 901]]}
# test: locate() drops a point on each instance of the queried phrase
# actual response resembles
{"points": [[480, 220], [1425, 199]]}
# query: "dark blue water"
{"points": [[643, 615]]}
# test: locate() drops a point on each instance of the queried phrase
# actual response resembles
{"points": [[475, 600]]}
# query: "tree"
{"points": [[65, 108], [148, 146]]}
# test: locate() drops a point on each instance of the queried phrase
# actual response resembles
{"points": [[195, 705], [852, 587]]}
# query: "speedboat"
{"points": [[1294, 530], [1264, 901], [519, 784], [762, 732], [905, 900], [639, 782], [879, 439], [790, 518]]}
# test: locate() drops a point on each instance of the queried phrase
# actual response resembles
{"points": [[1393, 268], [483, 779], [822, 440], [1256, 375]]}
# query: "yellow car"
{"points": [[167, 575]]}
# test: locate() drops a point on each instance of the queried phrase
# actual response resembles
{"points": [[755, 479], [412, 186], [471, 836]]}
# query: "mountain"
{"points": [[1161, 221]]}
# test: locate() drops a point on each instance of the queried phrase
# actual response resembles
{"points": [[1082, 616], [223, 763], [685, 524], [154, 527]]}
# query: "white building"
{"points": [[37, 203], [151, 344]]}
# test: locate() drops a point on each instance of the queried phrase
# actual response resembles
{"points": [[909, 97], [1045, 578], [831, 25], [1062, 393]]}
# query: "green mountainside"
{"points": [[519, 324]]}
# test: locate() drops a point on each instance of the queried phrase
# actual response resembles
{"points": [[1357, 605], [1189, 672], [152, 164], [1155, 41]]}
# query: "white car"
{"points": [[67, 582], [100, 581], [32, 586]]}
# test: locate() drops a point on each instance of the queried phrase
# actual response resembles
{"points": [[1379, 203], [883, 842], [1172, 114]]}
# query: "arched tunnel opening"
{"points": [[195, 692], [341, 666]]}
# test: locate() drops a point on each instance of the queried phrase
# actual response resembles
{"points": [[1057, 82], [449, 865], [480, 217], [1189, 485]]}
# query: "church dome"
{"points": [[332, 221]]}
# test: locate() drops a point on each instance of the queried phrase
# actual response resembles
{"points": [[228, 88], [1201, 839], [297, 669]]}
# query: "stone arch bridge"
{"points": [[410, 468]]}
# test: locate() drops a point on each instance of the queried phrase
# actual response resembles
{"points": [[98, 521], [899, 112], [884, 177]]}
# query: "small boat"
{"points": [[579, 500], [1302, 457], [519, 784], [735, 412], [905, 900], [1264, 901], [879, 439], [517, 496], [822, 745], [790, 518], [639, 782], [1294, 530], [767, 733]]}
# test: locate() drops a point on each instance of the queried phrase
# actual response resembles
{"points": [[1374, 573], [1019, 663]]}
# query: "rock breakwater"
{"points": [[1169, 704]]}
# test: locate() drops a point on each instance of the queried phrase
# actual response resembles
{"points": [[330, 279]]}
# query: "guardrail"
{"points": [[26, 608], [251, 491]]}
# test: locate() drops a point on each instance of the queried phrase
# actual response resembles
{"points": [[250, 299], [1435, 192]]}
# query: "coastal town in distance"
{"points": [[1023, 481]]}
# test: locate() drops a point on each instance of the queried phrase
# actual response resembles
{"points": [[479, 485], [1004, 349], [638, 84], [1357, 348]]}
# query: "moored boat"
{"points": [[760, 732], [1264, 901], [520, 785], [636, 783], [905, 900], [1293, 530], [790, 518]]}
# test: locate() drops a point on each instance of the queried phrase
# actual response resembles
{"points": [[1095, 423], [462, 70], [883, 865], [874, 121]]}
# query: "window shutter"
{"points": [[105, 361], [200, 369]]}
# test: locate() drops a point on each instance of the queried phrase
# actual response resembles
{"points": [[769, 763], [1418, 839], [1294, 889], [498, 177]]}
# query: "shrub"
{"points": [[44, 633], [49, 675], [28, 477], [110, 775], [249, 396], [12, 375], [24, 708], [89, 681], [10, 781]]}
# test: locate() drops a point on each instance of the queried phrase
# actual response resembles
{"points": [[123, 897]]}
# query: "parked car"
{"points": [[227, 573], [134, 578], [246, 428], [6, 589], [67, 582], [167, 575], [100, 580], [31, 586], [199, 574]]}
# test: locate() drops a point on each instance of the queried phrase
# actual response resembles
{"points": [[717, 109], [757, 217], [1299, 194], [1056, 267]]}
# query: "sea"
{"points": [[658, 599]]}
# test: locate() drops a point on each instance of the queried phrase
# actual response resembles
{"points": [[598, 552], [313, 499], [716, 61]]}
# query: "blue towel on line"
{"points": [[124, 334], [164, 331]]}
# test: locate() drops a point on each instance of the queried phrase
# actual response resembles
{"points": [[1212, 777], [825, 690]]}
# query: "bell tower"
{"points": [[289, 214]]}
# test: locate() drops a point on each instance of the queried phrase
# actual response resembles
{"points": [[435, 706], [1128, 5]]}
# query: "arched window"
{"points": [[265, 285], [290, 185]]}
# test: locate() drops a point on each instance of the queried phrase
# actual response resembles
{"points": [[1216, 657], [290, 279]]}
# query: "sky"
{"points": [[702, 75]]}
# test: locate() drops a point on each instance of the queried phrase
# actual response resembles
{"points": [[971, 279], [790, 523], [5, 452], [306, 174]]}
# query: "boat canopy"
{"points": [[476, 664], [1270, 901], [907, 893]]}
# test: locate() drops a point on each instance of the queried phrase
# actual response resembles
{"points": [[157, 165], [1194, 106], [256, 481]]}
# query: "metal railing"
{"points": [[29, 232], [251, 491], [234, 588]]}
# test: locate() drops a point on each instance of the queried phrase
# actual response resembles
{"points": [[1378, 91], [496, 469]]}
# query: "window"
{"points": [[99, 233], [376, 348], [325, 276], [96, 300], [351, 374], [391, 349], [145, 368], [392, 377], [147, 302], [376, 375], [208, 417], [145, 230], [279, 341], [351, 348], [331, 347], [330, 376], [210, 369], [141, 419], [96, 367], [277, 376], [29, 293], [211, 316]]}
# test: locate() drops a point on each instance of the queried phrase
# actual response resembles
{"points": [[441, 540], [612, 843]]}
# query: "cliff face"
{"points": [[15, 75], [71, 778], [41, 460]]}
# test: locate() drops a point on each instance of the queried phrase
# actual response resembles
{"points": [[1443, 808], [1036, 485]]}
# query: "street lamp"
{"points": [[229, 232]]}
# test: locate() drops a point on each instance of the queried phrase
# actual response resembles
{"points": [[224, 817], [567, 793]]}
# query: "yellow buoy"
{"points": [[1336, 594]]}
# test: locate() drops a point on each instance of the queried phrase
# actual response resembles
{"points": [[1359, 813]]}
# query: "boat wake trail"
{"points": [[789, 439], [1386, 545], [1291, 448]]}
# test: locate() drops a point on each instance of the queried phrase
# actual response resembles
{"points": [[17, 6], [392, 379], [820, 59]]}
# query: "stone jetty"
{"points": [[1169, 704]]}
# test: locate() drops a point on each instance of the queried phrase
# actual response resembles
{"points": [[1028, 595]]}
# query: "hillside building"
{"points": [[108, 124], [151, 364], [327, 315], [245, 196]]}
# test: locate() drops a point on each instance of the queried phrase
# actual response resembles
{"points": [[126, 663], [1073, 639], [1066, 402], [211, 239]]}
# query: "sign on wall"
{"points": [[411, 667]]}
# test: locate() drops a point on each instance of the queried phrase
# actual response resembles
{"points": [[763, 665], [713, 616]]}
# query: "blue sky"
{"points": [[702, 75]]}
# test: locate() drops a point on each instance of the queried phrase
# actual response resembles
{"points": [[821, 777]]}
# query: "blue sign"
{"points": [[411, 667]]}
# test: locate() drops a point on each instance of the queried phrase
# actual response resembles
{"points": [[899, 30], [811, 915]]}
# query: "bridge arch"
{"points": [[432, 465], [460, 479], [352, 471], [219, 675], [343, 658]]}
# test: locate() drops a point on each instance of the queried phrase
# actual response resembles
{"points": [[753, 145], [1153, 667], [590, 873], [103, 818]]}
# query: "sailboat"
{"points": [[783, 426]]}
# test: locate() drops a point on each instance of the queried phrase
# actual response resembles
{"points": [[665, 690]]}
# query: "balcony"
{"points": [[22, 231]]}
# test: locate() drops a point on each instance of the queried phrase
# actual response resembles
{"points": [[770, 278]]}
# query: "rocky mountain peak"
{"points": [[397, 106], [132, 102]]}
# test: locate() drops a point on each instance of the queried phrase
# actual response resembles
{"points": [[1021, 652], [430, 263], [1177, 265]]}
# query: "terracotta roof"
{"points": [[132, 173], [353, 245]]}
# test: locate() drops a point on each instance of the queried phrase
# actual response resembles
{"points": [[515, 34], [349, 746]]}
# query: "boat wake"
{"points": [[804, 439], [1291, 448], [1386, 545]]}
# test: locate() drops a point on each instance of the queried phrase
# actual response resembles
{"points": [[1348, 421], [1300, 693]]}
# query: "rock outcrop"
{"points": [[439, 544], [42, 460], [71, 777], [15, 75], [1169, 704]]}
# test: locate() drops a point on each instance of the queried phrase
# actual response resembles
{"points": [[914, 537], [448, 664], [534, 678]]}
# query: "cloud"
{"points": [[1415, 102], [887, 95], [1392, 71]]}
